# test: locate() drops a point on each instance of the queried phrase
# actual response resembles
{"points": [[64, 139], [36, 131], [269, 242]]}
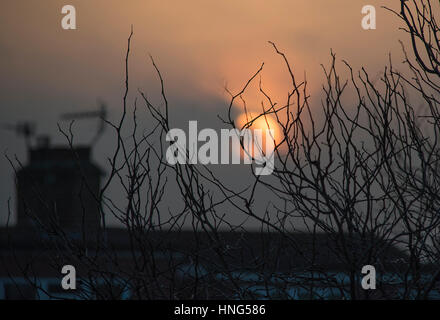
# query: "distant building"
{"points": [[58, 200], [59, 188]]}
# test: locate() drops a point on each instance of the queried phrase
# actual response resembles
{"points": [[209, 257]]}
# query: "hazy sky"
{"points": [[200, 46]]}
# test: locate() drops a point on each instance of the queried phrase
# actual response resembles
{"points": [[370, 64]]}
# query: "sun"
{"points": [[252, 121], [263, 123]]}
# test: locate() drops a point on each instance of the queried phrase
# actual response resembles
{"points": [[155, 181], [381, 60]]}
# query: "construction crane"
{"points": [[25, 129], [101, 114]]}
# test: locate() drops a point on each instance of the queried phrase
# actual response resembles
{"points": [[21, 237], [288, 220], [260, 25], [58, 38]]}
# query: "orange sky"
{"points": [[200, 45]]}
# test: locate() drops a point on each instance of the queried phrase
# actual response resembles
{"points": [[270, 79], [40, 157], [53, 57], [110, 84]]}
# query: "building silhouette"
{"points": [[59, 188], [58, 223]]}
